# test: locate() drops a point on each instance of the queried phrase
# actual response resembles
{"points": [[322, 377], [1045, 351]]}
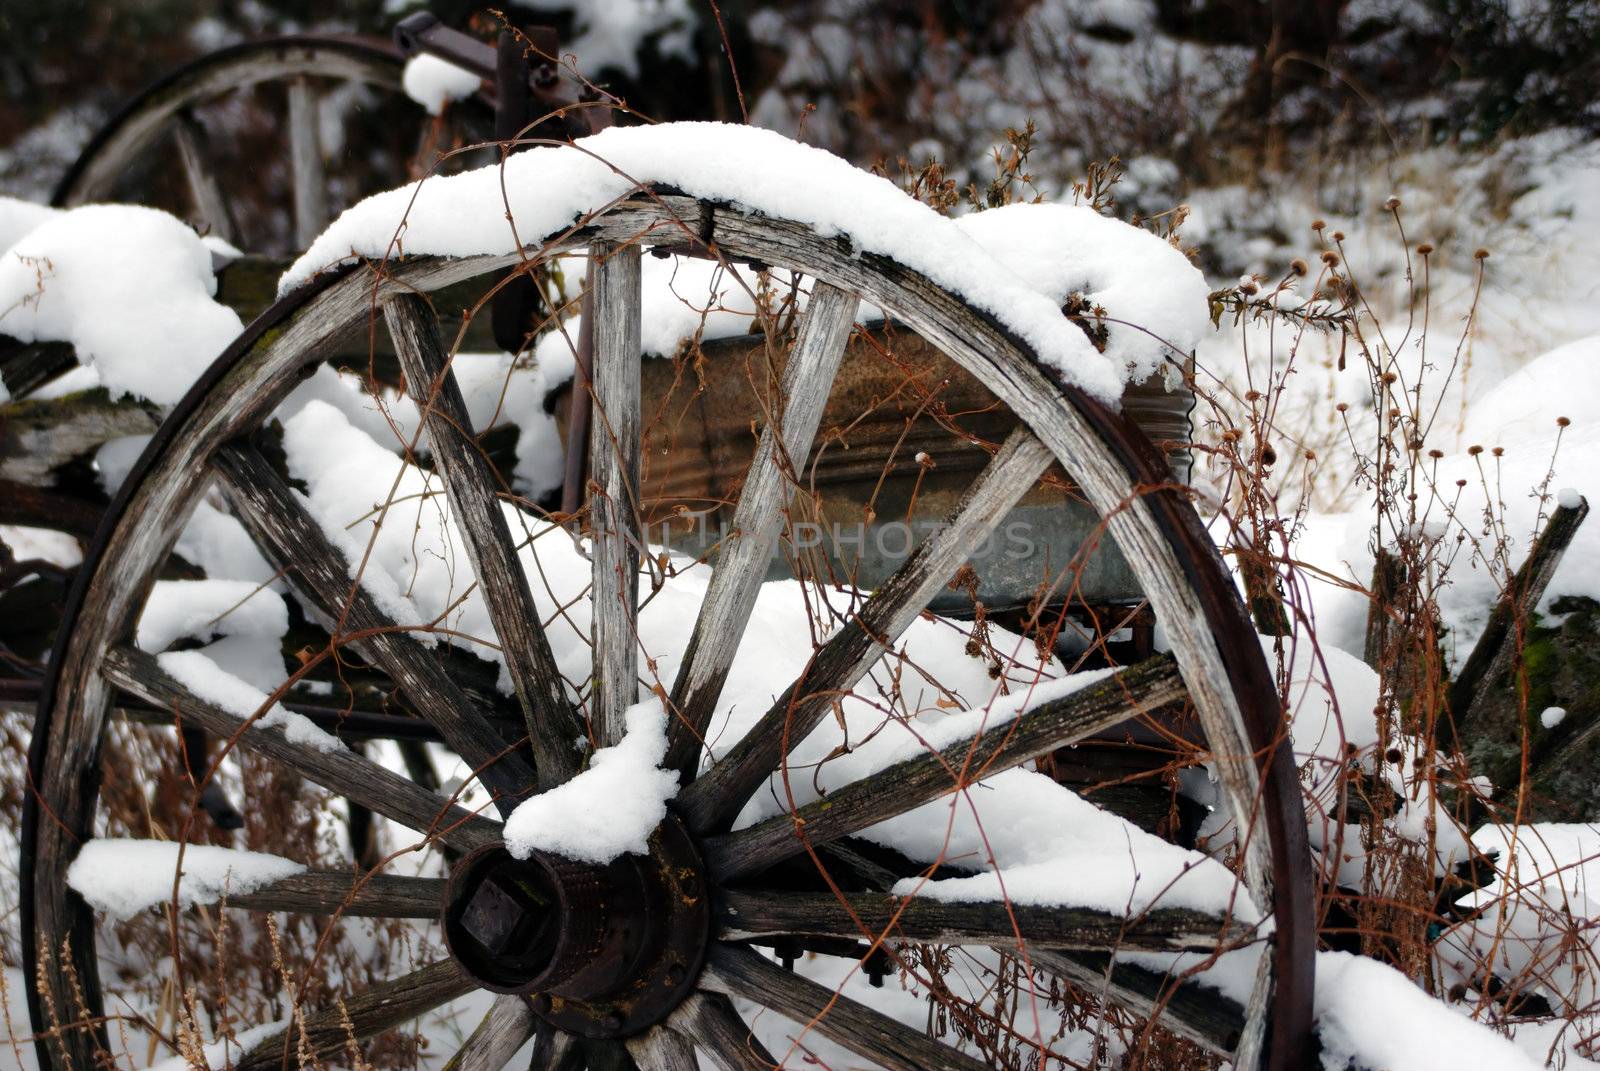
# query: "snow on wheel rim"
{"points": [[1226, 676]]}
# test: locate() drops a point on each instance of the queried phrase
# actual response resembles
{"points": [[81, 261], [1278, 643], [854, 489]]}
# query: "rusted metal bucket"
{"points": [[900, 440]]}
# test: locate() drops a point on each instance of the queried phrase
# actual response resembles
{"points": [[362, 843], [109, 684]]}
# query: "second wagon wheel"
{"points": [[622, 918], [241, 140]]}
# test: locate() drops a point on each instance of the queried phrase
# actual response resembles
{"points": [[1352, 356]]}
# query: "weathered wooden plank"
{"points": [[711, 802], [470, 485], [722, 1034], [291, 538], [1141, 689], [206, 197], [39, 435], [362, 1015], [340, 770], [867, 1033], [505, 1028], [614, 484], [662, 1049], [344, 892], [306, 169], [742, 558], [746, 914]]}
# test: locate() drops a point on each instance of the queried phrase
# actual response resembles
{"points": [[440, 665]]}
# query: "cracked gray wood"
{"points": [[722, 1033], [865, 916], [327, 1033], [504, 1029], [308, 173], [867, 1033], [614, 488], [470, 484], [741, 563], [344, 892]]}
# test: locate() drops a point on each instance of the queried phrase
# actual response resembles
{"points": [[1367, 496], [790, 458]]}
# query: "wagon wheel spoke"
{"points": [[711, 802], [1198, 1014], [865, 1032], [470, 483], [742, 559], [1142, 689], [338, 769], [662, 1049], [369, 1012], [205, 192], [758, 914], [292, 539], [723, 1035], [555, 1050], [307, 169], [614, 480], [330, 892], [505, 1028]]}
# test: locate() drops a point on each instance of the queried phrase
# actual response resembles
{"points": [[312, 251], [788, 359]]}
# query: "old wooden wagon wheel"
{"points": [[641, 957], [235, 140]]}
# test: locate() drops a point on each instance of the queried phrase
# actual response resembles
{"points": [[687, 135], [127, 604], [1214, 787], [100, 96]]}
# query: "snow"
{"points": [[125, 877], [224, 1053], [1550, 717], [112, 280], [433, 82], [1537, 918], [205, 609], [1371, 1015], [547, 188], [20, 218], [1569, 498], [611, 808], [612, 35], [209, 681], [1154, 298]]}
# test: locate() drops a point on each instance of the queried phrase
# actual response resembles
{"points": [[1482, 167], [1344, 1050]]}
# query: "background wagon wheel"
{"points": [[646, 950], [238, 141]]}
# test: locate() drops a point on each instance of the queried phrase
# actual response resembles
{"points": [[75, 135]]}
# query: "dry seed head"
{"points": [[1498, 451], [1252, 396], [1317, 225], [1338, 236], [1343, 407], [1389, 377], [1392, 203], [1461, 483], [1436, 454], [1311, 455], [1474, 450], [1249, 287], [1330, 258], [1425, 248], [1298, 266], [1562, 422], [1480, 254]]}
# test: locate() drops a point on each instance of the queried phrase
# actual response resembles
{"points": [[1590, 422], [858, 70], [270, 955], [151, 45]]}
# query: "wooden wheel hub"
{"points": [[602, 951]]}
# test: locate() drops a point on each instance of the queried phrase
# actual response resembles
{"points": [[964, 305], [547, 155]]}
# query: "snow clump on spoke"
{"points": [[124, 877], [608, 810]]}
